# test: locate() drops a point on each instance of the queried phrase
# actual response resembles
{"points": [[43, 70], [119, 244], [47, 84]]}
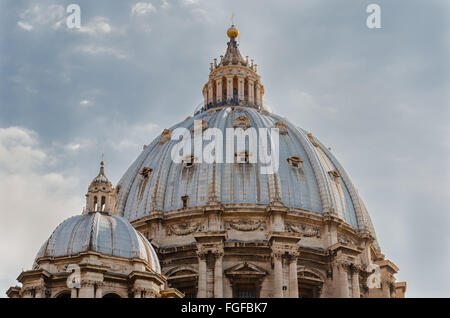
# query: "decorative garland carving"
{"points": [[346, 240], [183, 228], [303, 230], [246, 225]]}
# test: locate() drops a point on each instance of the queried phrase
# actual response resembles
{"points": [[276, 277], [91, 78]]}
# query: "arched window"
{"points": [[95, 203], [111, 295], [102, 208], [185, 280], [64, 294], [310, 283], [185, 201]]}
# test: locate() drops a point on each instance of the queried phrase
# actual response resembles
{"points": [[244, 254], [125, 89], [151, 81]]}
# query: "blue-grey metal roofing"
{"points": [[99, 232], [309, 188]]}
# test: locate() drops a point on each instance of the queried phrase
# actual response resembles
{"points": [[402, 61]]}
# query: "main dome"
{"points": [[320, 185], [100, 232]]}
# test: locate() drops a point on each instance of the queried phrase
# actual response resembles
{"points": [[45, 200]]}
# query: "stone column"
{"points": [[219, 93], [218, 273], [277, 274], [137, 293], [241, 88], [86, 290], [293, 279], [205, 96], [355, 283], [99, 290], [39, 292], [251, 91], [386, 282], [27, 293], [210, 92], [201, 254], [343, 286], [229, 87], [74, 293], [148, 293], [258, 94]]}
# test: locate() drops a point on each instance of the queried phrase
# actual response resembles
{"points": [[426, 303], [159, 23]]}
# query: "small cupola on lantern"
{"points": [[101, 195]]}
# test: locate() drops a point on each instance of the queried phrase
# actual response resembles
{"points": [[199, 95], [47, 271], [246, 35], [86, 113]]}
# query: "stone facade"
{"points": [[267, 252]]}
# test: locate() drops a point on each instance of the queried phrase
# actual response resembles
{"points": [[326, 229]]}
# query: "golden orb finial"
{"points": [[232, 32]]}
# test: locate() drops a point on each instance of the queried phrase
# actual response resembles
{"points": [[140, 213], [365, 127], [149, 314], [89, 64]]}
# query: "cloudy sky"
{"points": [[378, 97]]}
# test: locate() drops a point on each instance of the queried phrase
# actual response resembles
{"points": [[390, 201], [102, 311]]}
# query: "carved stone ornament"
{"points": [[184, 228], [202, 252], [241, 122], [165, 136], [303, 230], [346, 240], [311, 139], [343, 263], [88, 283], [281, 128], [218, 251], [246, 225]]}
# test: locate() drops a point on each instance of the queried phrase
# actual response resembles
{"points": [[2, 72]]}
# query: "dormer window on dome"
{"points": [[334, 173], [241, 122], [282, 128], [145, 172], [188, 161], [242, 157], [295, 161], [165, 136]]}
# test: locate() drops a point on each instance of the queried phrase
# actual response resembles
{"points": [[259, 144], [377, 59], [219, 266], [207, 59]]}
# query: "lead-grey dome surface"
{"points": [[100, 232], [321, 185]]}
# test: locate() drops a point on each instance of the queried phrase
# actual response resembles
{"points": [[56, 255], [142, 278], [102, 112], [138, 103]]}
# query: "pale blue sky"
{"points": [[378, 98]]}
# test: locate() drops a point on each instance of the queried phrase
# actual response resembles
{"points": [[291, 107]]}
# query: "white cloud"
{"points": [[95, 50], [142, 8], [165, 4], [18, 151], [53, 15], [32, 202], [308, 104], [132, 138], [189, 2], [98, 25], [86, 103], [25, 25], [201, 15]]}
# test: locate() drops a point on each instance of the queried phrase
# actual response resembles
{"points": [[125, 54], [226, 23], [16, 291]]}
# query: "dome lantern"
{"points": [[100, 196], [233, 80]]}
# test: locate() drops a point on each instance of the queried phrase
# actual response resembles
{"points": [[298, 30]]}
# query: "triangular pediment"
{"points": [[245, 269]]}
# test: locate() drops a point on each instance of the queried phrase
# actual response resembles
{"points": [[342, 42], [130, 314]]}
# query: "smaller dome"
{"points": [[233, 32], [100, 232]]}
